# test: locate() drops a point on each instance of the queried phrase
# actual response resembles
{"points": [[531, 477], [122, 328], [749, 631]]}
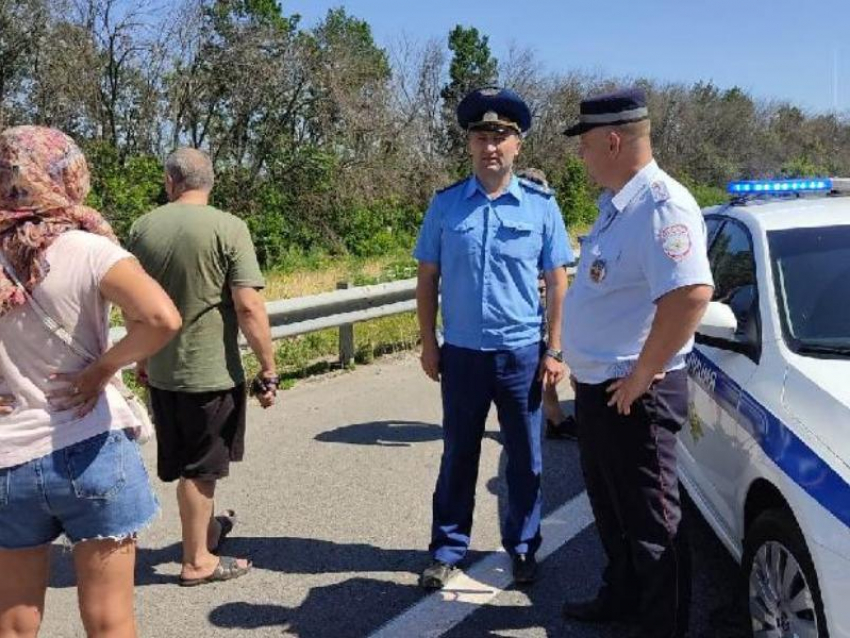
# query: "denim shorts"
{"points": [[94, 489]]}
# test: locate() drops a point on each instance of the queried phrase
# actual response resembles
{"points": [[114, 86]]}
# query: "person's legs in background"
{"points": [[559, 424], [195, 501], [198, 435]]}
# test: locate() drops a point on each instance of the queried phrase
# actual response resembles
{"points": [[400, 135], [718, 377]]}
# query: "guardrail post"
{"points": [[346, 335]]}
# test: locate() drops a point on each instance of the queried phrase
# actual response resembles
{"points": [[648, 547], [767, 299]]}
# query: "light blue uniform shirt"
{"points": [[490, 253], [648, 240]]}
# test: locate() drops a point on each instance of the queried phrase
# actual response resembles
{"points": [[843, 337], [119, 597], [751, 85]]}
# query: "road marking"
{"points": [[467, 592]]}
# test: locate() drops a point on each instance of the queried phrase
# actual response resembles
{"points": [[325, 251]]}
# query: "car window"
{"points": [[712, 225], [812, 273], [734, 270], [732, 262]]}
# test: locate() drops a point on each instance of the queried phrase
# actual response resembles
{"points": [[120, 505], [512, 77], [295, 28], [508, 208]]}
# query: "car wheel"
{"points": [[784, 596]]}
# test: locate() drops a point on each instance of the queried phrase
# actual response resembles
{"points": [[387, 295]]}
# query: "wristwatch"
{"points": [[557, 355], [263, 384]]}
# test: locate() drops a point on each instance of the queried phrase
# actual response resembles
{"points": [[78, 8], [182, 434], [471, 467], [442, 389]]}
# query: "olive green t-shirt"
{"points": [[197, 253]]}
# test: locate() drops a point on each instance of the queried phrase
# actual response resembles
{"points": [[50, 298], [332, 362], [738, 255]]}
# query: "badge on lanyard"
{"points": [[598, 270]]}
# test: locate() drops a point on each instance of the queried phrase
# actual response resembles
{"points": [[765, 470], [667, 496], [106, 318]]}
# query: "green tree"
{"points": [[22, 25], [705, 194], [803, 167], [576, 197], [123, 189], [349, 75]]}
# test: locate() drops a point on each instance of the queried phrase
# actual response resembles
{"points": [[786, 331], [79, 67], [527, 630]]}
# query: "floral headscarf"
{"points": [[43, 182]]}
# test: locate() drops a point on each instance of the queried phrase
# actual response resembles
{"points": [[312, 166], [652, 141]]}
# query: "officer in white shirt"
{"points": [[642, 285]]}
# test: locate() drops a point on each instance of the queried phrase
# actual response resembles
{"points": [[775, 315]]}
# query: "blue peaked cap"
{"points": [[493, 107]]}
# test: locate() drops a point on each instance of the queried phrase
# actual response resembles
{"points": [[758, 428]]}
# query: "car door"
{"points": [[717, 374]]}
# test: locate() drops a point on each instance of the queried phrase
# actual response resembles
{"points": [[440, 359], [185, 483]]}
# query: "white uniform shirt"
{"points": [[649, 239]]}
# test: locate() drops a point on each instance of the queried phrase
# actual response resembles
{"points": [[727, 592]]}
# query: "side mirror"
{"points": [[718, 329], [718, 322]]}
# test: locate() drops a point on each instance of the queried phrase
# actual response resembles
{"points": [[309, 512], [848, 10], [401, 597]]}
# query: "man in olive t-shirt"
{"points": [[205, 261]]}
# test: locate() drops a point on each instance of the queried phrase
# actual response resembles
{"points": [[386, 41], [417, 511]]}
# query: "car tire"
{"points": [[779, 600]]}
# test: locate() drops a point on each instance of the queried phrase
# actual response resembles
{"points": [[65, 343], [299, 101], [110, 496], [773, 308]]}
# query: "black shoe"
{"points": [[596, 610], [524, 568], [436, 575], [565, 430]]}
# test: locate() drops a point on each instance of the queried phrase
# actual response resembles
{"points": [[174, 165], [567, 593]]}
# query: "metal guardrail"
{"points": [[338, 309]]}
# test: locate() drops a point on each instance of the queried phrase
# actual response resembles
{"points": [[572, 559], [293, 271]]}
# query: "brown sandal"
{"points": [[228, 568]]}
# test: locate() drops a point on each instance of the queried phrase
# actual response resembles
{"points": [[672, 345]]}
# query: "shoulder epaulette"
{"points": [[659, 190], [537, 188], [451, 186]]}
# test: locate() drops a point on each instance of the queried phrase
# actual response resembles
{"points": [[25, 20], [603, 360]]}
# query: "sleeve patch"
{"points": [[676, 241]]}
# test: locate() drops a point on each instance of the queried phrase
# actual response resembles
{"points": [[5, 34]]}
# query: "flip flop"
{"points": [[228, 568], [226, 521]]}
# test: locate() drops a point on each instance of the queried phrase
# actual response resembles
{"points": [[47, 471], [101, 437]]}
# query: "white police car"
{"points": [[767, 455]]}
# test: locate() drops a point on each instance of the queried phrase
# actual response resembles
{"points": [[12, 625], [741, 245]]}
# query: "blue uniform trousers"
{"points": [[472, 380]]}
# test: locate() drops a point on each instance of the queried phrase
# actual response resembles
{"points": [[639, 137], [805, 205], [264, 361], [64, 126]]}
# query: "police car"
{"points": [[766, 456]]}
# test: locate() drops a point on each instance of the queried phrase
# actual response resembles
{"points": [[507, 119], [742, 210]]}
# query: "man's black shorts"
{"points": [[198, 434]]}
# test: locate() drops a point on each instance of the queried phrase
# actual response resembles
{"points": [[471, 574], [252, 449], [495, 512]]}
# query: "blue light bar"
{"points": [[780, 186]]}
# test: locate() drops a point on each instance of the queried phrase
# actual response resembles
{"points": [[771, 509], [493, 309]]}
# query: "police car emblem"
{"points": [[598, 270], [676, 241]]}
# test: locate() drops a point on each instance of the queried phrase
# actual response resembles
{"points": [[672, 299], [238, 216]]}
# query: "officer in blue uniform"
{"points": [[482, 244], [642, 285]]}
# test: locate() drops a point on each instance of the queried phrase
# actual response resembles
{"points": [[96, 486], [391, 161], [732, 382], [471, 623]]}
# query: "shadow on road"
{"points": [[386, 433], [352, 608]]}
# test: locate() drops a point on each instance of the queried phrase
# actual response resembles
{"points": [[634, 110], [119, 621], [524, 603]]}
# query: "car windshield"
{"points": [[812, 271]]}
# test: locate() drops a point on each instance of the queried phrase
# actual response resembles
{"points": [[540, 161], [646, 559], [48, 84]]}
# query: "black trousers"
{"points": [[629, 466]]}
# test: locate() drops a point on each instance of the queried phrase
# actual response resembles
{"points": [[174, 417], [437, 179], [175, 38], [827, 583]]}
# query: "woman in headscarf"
{"points": [[69, 463]]}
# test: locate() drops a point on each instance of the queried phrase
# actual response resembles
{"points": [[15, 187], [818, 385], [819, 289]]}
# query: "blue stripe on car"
{"points": [[779, 443]]}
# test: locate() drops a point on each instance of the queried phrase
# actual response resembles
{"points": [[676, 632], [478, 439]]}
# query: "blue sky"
{"points": [[775, 49]]}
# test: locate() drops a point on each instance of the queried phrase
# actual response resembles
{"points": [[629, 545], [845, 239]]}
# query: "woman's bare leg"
{"points": [[22, 596], [105, 585]]}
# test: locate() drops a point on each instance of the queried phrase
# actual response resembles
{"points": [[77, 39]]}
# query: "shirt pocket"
{"points": [[96, 466], [462, 237], [519, 239]]}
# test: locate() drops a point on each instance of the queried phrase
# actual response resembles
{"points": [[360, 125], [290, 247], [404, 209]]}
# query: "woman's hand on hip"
{"points": [[79, 391]]}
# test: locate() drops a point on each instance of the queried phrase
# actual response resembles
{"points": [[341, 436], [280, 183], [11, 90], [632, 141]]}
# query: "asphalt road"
{"points": [[334, 510]]}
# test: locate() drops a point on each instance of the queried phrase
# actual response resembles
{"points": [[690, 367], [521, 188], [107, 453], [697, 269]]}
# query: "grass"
{"points": [[318, 352], [325, 275]]}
